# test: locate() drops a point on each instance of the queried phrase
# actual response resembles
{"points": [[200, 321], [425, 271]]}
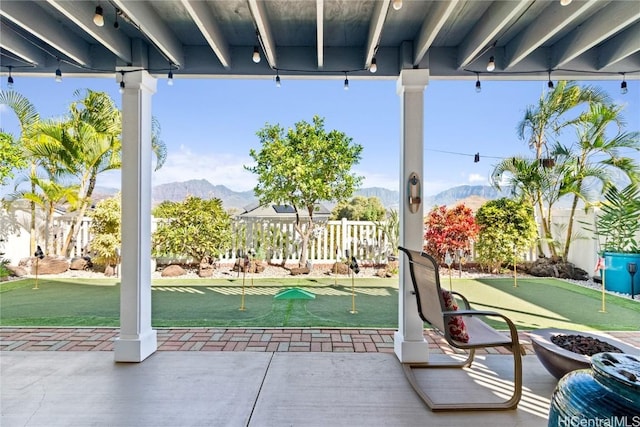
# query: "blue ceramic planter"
{"points": [[608, 394], [617, 278]]}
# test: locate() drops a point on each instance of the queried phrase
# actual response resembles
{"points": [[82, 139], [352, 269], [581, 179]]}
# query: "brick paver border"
{"points": [[223, 339]]}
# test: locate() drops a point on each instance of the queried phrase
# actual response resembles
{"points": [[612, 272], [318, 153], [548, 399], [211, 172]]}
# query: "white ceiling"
{"points": [[586, 40]]}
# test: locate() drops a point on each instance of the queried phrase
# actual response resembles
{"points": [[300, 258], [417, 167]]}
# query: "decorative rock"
{"points": [[80, 264], [49, 265], [296, 271], [340, 268], [550, 267], [17, 270], [173, 271], [109, 271]]}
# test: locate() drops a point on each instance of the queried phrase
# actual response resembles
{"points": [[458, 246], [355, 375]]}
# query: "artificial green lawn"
{"points": [[535, 303]]}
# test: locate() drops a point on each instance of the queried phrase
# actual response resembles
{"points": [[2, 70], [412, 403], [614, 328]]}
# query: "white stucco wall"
{"points": [[14, 235]]}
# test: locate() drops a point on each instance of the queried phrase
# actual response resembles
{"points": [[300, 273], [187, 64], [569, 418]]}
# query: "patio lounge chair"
{"points": [[463, 329]]}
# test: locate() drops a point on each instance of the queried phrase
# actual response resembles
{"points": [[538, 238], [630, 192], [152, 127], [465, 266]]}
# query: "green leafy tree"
{"points": [[449, 230], [302, 167], [507, 229], [105, 230], [11, 157], [196, 228], [359, 208]]}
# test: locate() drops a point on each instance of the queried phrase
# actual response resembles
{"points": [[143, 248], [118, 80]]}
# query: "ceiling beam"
{"points": [[484, 34], [613, 18], [35, 21], [142, 15], [551, 21], [206, 22], [320, 32], [375, 30], [431, 27], [621, 46], [18, 46], [260, 19], [81, 14]]}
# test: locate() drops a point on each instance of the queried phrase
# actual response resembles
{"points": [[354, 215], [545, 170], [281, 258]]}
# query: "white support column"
{"points": [[409, 342], [137, 340]]}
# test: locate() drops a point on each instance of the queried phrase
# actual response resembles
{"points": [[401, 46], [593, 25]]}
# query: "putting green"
{"points": [[535, 303]]}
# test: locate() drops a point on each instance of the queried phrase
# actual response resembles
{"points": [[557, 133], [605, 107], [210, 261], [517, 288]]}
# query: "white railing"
{"points": [[276, 241]]}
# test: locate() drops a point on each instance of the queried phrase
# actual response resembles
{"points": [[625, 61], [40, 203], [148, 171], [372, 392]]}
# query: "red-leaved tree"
{"points": [[449, 230]]}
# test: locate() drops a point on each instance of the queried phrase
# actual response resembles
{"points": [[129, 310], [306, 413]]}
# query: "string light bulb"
{"points": [[492, 64], [98, 18], [478, 84], [346, 82], [121, 90], [116, 24], [397, 4], [565, 2], [256, 54], [58, 75], [373, 67], [277, 79], [10, 79], [170, 78], [550, 83], [623, 86]]}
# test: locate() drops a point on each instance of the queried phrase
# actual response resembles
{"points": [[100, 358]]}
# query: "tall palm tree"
{"points": [[28, 120], [543, 122], [91, 136], [596, 157]]}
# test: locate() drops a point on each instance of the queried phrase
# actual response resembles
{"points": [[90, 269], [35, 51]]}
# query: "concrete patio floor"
{"points": [[67, 377], [173, 388]]}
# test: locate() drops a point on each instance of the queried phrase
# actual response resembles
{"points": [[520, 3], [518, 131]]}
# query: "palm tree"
{"points": [[90, 137], [28, 120], [595, 158], [543, 121], [531, 183], [49, 195]]}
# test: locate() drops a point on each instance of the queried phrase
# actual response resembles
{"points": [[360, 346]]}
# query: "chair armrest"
{"points": [[513, 332], [464, 299]]}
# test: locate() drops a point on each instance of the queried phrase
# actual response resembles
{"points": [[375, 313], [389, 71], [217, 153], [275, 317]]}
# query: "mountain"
{"points": [[460, 193], [178, 191], [472, 195], [388, 197]]}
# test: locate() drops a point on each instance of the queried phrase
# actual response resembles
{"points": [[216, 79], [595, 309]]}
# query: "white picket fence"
{"points": [[276, 241]]}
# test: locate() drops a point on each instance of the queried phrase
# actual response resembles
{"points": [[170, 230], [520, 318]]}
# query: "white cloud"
{"points": [[217, 168], [477, 178]]}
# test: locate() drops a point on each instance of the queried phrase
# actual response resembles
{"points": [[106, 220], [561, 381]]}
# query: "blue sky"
{"points": [[209, 126]]}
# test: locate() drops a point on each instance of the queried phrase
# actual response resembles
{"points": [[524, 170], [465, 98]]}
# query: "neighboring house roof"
{"points": [[282, 212]]}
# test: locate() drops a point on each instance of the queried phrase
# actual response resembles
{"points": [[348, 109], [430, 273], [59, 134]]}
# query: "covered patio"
{"points": [[409, 41]]}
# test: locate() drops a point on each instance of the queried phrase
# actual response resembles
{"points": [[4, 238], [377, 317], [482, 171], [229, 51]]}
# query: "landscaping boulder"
{"points": [[16, 270], [340, 268], [296, 271], [173, 271], [205, 269], [549, 267], [80, 264], [109, 271], [49, 265]]}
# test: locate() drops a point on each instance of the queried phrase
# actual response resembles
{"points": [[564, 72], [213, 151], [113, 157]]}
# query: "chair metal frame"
{"points": [[431, 308]]}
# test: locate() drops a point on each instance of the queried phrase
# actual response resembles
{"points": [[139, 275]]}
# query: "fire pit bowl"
{"points": [[559, 361]]}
